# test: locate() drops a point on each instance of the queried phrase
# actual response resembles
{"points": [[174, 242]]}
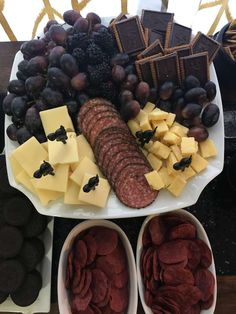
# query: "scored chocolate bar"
{"points": [[182, 51], [203, 43], [152, 35], [151, 50], [156, 20], [129, 35], [177, 35], [167, 69], [196, 65], [145, 70]]}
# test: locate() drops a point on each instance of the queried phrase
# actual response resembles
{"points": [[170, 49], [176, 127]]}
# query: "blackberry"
{"points": [[108, 91], [94, 53], [99, 73], [79, 40], [80, 56], [105, 40]]}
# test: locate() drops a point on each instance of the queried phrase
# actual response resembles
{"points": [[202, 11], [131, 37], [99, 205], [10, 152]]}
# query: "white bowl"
{"points": [[63, 296], [201, 233]]}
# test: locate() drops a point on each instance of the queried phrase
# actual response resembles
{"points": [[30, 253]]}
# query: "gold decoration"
{"points": [[5, 24], [124, 6], [224, 8], [79, 6], [47, 10]]}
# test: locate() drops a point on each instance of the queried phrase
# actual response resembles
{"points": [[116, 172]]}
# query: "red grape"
{"points": [[142, 92], [79, 82], [69, 65], [71, 16], [58, 34], [81, 25], [118, 73], [55, 56], [130, 110], [93, 18], [49, 23]]}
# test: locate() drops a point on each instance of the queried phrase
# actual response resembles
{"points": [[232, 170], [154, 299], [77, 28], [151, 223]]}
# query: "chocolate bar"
{"points": [[120, 17], [196, 65], [151, 50], [145, 70], [203, 43], [156, 20], [182, 51], [153, 35], [167, 69], [129, 35], [177, 35]]}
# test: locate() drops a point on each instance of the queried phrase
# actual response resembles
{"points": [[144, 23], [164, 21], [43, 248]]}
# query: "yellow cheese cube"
{"points": [[71, 194], [97, 197], [24, 179], [178, 130], [148, 146], [145, 125], [73, 166], [177, 185], [184, 128], [155, 162], [207, 148], [196, 146], [52, 119], [162, 128], [170, 138], [15, 167], [141, 116], [60, 153], [177, 152], [166, 178], [154, 180], [149, 107], [170, 119], [133, 126], [188, 146], [188, 173], [45, 145], [170, 162], [198, 163], [144, 151], [157, 115], [84, 149], [30, 155], [160, 150], [58, 182], [85, 166]]}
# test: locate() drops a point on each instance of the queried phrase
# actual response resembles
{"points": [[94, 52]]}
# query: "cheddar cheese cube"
{"points": [[177, 185], [142, 115], [188, 146], [170, 138], [60, 153], [154, 180], [166, 178], [161, 126], [15, 166], [160, 150], [155, 162], [198, 163], [52, 119], [178, 130], [98, 196], [170, 119], [170, 162], [184, 128], [145, 125], [149, 107], [148, 145], [188, 173], [85, 166], [207, 148], [157, 115], [133, 126], [177, 152], [45, 145]]}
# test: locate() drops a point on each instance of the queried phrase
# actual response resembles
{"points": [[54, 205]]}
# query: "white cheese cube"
{"points": [[84, 148], [166, 178]]}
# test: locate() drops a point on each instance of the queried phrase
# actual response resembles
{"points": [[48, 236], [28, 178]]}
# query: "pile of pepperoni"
{"points": [[174, 266], [97, 274]]}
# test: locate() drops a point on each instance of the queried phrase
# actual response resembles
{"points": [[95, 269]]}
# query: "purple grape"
{"points": [[126, 96], [58, 79], [79, 82], [69, 65], [130, 110], [52, 98], [19, 107], [49, 24], [58, 34], [118, 73], [40, 105], [34, 85], [32, 121], [17, 87], [71, 16], [81, 25], [6, 104], [11, 132], [55, 56], [23, 135], [37, 65], [34, 47], [93, 18]]}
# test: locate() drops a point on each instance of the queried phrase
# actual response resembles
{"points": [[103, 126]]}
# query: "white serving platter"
{"points": [[43, 302], [63, 295], [201, 234], [115, 209]]}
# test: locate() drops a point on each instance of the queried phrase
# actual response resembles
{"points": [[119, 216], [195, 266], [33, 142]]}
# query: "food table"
{"points": [[215, 210]]}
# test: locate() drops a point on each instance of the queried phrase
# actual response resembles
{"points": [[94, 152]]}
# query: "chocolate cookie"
{"points": [[3, 297], [29, 291], [32, 253], [5, 187], [17, 211], [36, 225], [12, 275], [11, 241]]}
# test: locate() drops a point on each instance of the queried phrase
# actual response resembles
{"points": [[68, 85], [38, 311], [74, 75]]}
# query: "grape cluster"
{"points": [[192, 105]]}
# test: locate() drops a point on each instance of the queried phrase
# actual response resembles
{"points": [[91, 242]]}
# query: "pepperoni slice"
{"points": [[117, 258], [155, 270], [87, 282], [81, 304], [148, 297], [89, 310], [78, 284], [183, 231], [173, 252], [99, 285], [157, 230], [194, 255], [120, 280], [176, 276], [119, 299], [106, 240], [81, 252], [205, 281], [206, 255], [207, 304], [91, 248], [146, 239]]}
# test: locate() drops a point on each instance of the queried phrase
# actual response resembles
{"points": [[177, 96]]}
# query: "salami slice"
{"points": [[81, 304], [173, 252], [119, 299], [99, 285], [205, 281], [106, 240], [183, 231], [157, 230]]}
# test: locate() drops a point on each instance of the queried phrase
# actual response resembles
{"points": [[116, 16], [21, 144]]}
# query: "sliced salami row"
{"points": [[116, 152], [97, 274], [174, 266]]}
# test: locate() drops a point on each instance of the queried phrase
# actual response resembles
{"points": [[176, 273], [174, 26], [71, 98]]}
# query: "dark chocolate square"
{"points": [[179, 35], [196, 65], [145, 71], [156, 20], [151, 50], [153, 35], [129, 35], [202, 43], [167, 69]]}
